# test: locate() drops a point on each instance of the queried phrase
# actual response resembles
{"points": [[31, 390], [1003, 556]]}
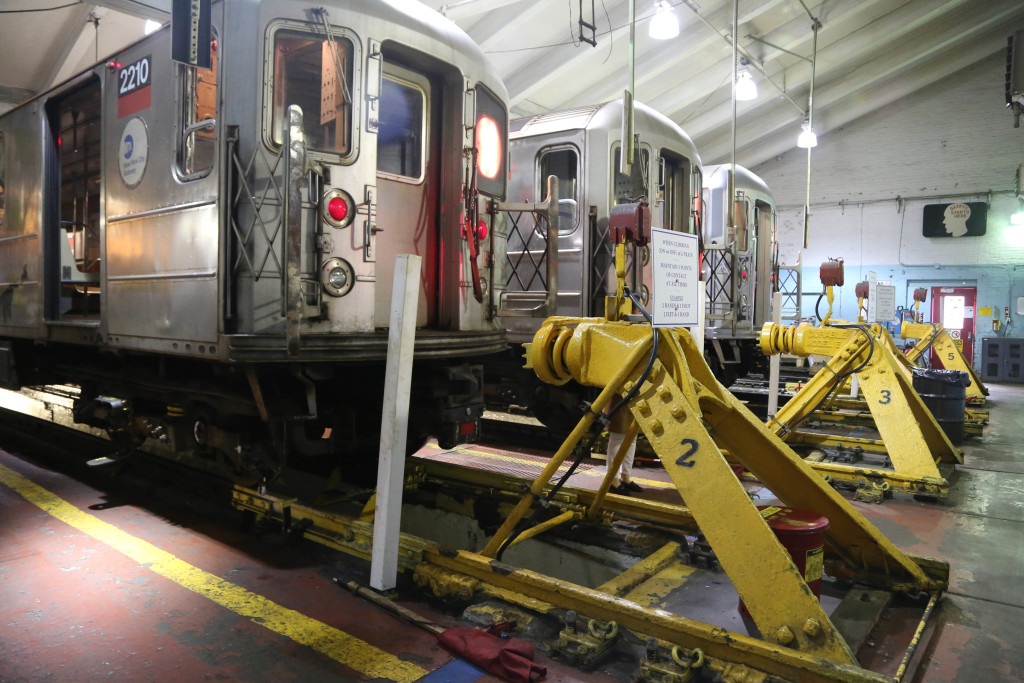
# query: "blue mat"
{"points": [[456, 671]]}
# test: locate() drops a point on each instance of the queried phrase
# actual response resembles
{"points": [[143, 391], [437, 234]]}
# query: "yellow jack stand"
{"points": [[917, 447], [949, 354], [689, 418]]}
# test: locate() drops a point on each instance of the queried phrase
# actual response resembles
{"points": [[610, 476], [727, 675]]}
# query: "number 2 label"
{"points": [[684, 459]]}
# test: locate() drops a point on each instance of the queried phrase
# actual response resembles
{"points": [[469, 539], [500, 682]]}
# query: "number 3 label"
{"points": [[886, 396]]}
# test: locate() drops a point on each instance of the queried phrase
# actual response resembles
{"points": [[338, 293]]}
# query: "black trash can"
{"points": [[945, 394]]}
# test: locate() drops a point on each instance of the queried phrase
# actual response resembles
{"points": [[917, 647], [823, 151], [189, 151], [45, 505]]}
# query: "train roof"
{"points": [[717, 176], [407, 14], [607, 115]]}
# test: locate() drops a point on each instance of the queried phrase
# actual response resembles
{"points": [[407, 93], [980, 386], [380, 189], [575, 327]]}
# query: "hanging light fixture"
{"points": [[807, 137], [1017, 218], [664, 24], [746, 88]]}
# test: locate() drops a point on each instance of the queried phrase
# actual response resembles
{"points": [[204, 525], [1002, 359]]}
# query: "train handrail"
{"points": [[548, 209], [294, 153]]}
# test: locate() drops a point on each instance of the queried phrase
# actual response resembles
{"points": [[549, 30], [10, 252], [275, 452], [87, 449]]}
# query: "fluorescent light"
{"points": [[746, 88], [151, 26], [1017, 218], [664, 24], [807, 137]]}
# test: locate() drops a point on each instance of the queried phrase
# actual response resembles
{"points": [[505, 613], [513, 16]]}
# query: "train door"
{"points": [[73, 189], [764, 272], [626, 189], [408, 184], [561, 161], [672, 195], [953, 308]]}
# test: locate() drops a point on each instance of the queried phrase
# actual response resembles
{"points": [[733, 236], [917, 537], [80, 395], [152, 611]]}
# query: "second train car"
{"points": [[582, 148]]}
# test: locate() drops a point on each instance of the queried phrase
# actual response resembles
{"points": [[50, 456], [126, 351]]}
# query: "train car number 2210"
{"points": [[133, 77]]}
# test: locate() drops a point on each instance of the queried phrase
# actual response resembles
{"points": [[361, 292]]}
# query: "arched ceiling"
{"points": [[870, 53]]}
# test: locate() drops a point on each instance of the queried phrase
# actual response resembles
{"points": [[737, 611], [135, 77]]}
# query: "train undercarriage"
{"points": [[248, 421]]}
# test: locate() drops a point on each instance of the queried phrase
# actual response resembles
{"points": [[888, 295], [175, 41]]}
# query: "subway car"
{"points": [[202, 253], [582, 148]]}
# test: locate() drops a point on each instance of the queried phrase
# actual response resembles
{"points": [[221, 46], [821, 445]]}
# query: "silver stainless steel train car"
{"points": [[582, 148], [207, 252], [740, 269]]}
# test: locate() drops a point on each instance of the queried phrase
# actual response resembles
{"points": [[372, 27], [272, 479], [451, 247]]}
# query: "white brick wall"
{"points": [[951, 139]]}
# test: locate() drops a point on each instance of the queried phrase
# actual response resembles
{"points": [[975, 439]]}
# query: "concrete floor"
{"points": [[187, 595]]}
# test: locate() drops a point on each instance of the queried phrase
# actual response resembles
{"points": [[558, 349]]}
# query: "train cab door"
{"points": [[627, 189], [408, 185], [672, 194], [71, 223]]}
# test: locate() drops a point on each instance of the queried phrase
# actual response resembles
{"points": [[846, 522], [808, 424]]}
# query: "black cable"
{"points": [[839, 378], [601, 420], [817, 313], [38, 9]]}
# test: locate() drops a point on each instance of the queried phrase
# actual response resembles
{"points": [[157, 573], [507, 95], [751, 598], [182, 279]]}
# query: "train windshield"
{"points": [[629, 188], [563, 164], [306, 73], [402, 124]]}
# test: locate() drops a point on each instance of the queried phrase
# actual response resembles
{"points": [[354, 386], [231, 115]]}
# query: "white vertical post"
{"points": [[701, 316], [775, 361], [394, 424]]}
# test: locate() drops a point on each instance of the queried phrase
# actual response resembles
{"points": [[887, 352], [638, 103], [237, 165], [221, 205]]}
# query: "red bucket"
{"points": [[802, 534]]}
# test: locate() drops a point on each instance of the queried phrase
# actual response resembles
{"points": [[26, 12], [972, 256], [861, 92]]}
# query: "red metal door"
{"points": [[953, 308]]}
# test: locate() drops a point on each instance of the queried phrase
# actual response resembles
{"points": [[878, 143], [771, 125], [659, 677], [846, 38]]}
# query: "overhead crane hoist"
{"points": [[917, 447]]}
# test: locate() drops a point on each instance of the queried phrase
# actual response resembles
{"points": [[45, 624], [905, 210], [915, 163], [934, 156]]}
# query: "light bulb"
{"points": [[746, 88], [664, 24], [807, 137]]}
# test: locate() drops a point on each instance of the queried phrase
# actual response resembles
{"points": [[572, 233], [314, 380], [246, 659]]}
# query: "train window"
{"points": [[198, 118], [401, 132], [629, 188], [306, 74], [564, 165], [673, 174]]}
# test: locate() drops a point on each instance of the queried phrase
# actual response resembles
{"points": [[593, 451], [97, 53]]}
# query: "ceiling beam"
{"points": [[77, 33], [157, 10], [877, 83]]}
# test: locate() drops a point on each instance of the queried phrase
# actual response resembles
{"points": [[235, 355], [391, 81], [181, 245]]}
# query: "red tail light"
{"points": [[338, 209]]}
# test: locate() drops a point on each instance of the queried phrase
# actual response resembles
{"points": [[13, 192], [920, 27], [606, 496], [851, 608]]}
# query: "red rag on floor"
{"points": [[511, 659]]}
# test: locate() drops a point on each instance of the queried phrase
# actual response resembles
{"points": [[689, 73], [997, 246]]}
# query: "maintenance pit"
{"points": [[644, 570]]}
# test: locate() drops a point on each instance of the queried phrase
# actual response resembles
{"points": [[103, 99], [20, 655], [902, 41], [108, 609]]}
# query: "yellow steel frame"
{"points": [[689, 418], [948, 353], [464, 574], [916, 445]]}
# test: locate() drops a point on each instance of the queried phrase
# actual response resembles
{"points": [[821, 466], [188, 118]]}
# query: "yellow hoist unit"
{"points": [[921, 454]]}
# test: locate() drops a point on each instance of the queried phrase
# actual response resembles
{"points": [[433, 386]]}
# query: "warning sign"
{"points": [[676, 277], [815, 566]]}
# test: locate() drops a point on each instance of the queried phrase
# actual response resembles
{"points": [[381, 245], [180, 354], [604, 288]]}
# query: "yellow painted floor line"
{"points": [[596, 472], [338, 645], [655, 589]]}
